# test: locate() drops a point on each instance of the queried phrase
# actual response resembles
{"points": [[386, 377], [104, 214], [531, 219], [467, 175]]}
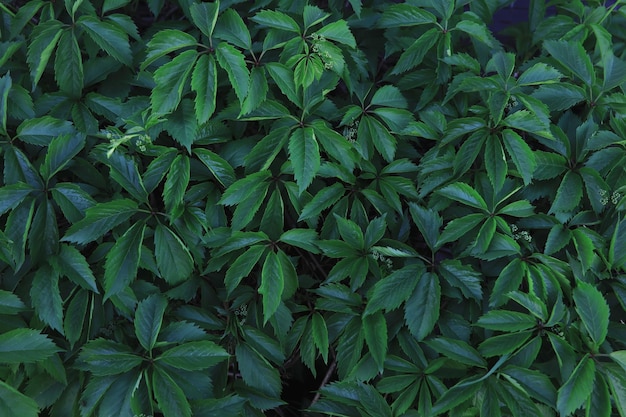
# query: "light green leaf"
{"points": [[422, 308], [204, 83], [122, 261], [284, 79], [233, 62], [193, 356], [170, 80], [172, 255], [577, 388], [25, 346], [148, 320], [109, 37], [593, 310]]}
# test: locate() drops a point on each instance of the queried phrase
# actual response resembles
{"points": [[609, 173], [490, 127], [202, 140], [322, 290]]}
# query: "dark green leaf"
{"points": [[233, 62], [60, 152], [272, 285], [204, 83], [339, 32], [405, 15], [277, 20], [593, 311], [170, 397], [464, 194], [106, 357], [170, 80], [99, 220], [68, 65], [165, 42], [204, 16], [148, 320], [109, 37], [304, 154], [10, 303], [414, 54], [320, 335], [25, 346], [458, 351], [172, 255], [375, 331], [193, 356], [44, 39], [568, 194], [71, 263], [46, 297], [572, 55], [422, 308], [577, 388], [13, 402], [122, 261]]}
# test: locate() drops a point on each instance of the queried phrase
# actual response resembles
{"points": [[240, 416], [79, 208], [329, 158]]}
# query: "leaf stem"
{"points": [[329, 373]]}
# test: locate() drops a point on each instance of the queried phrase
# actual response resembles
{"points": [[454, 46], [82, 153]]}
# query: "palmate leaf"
{"points": [[105, 357], [421, 311], [204, 83], [44, 39], [25, 346], [109, 37], [233, 62], [304, 154], [122, 261], [272, 285], [577, 388], [148, 320], [593, 311], [13, 402], [100, 219], [170, 80], [170, 397], [172, 256]]}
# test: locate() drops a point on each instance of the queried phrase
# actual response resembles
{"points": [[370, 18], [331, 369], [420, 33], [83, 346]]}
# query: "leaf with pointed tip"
{"points": [[13, 402], [464, 194], [204, 83], [122, 261], [165, 42], [169, 395], [304, 154], [375, 331], [569, 193], [577, 388], [204, 16], [176, 184], [100, 219], [172, 256], [339, 32], [68, 65], [25, 346], [399, 15], [277, 20], [593, 311], [272, 285], [193, 356], [414, 54], [233, 62], [148, 320], [421, 311], [109, 37], [60, 152], [44, 39], [572, 55], [170, 81]]}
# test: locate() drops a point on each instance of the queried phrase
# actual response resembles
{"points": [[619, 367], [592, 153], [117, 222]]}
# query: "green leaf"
{"points": [[339, 32], [457, 228], [422, 308], [569, 193], [539, 74], [398, 15], [321, 201], [13, 402], [61, 151], [124, 171], [414, 54], [390, 96], [277, 20], [464, 194], [503, 344], [577, 388], [170, 81], [506, 321], [10, 303], [148, 320], [375, 330], [170, 397], [12, 195], [72, 200], [5, 87], [320, 334], [122, 261], [478, 31], [106, 357], [230, 406], [462, 277], [75, 316], [304, 154], [204, 16], [617, 384], [242, 266], [272, 285], [176, 184], [231, 28], [373, 132], [617, 249], [25, 346], [172, 255], [593, 311], [573, 56], [193, 356], [458, 351], [40, 131], [46, 297], [109, 37], [284, 79], [529, 122], [495, 163], [165, 42], [233, 62], [71, 263], [204, 83], [257, 93], [256, 371], [559, 96], [240, 189], [301, 238], [68, 65], [534, 382], [44, 38], [100, 219]]}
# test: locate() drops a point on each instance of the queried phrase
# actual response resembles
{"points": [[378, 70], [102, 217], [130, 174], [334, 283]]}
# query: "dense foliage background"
{"points": [[345, 208]]}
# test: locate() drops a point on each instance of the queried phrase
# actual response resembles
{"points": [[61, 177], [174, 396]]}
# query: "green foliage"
{"points": [[362, 208]]}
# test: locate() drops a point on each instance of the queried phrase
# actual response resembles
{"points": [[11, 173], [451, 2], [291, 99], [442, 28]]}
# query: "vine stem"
{"points": [[329, 373]]}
